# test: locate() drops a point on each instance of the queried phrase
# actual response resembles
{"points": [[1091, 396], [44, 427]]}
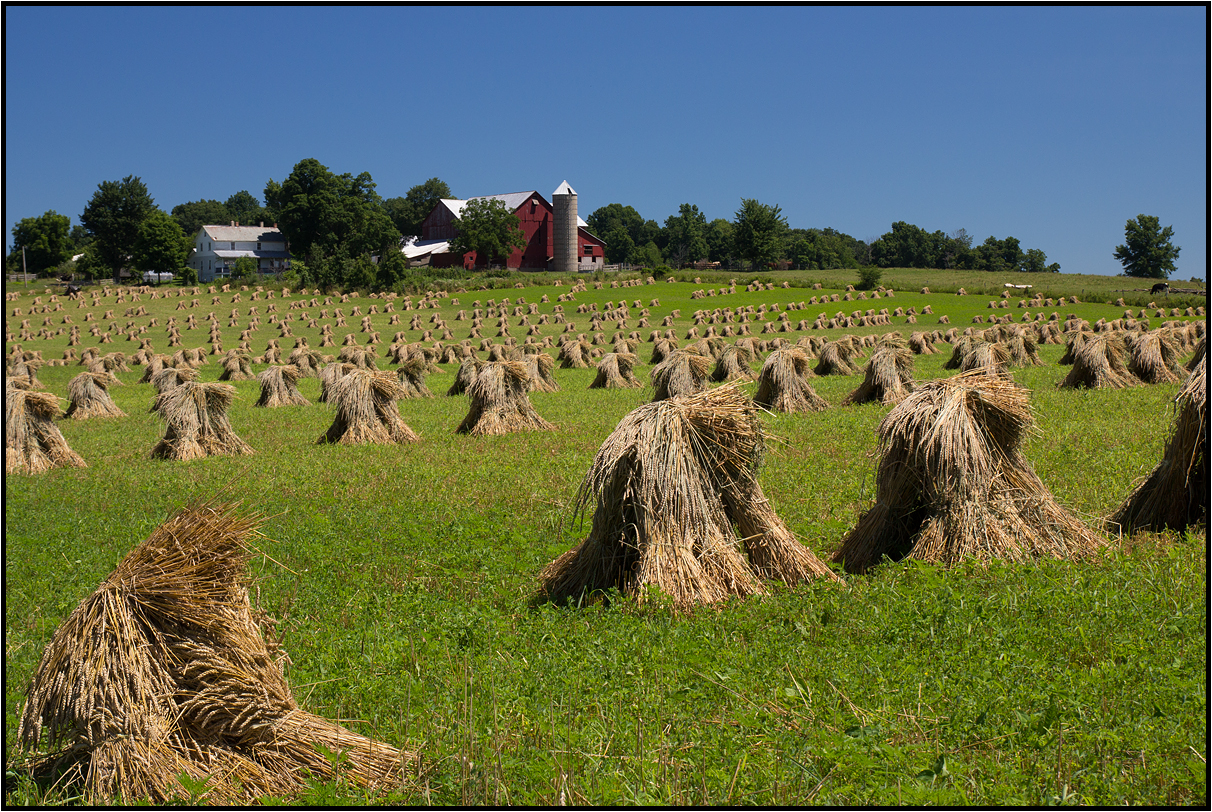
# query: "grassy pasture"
{"points": [[404, 583]]}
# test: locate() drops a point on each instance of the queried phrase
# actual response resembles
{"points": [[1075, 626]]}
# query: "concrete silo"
{"points": [[564, 236]]}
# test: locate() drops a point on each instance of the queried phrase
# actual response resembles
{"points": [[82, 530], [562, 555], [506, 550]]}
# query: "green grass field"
{"points": [[404, 584]]}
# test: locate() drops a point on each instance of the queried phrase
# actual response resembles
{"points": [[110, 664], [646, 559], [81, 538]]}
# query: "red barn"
{"points": [[537, 221]]}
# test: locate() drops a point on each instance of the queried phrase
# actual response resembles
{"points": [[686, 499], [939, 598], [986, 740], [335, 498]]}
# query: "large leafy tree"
{"points": [[113, 216], [758, 231], [624, 231], [488, 227], [324, 211], [46, 241], [246, 210], [408, 212], [719, 241], [685, 235], [193, 215], [1147, 250], [160, 245]]}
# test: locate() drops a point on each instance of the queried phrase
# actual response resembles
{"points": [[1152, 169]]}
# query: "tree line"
{"points": [[342, 233]]}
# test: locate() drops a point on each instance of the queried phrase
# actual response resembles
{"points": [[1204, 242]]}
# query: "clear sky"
{"points": [[1051, 124]]}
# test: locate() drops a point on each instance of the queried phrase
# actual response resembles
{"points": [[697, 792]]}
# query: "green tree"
{"points": [[686, 235], [46, 241], [1147, 251], [719, 241], [160, 244], [392, 267], [648, 255], [90, 266], [245, 209], [622, 229], [113, 216], [273, 200], [488, 227], [332, 212], [869, 277], [244, 270], [408, 212], [195, 214], [758, 232]]}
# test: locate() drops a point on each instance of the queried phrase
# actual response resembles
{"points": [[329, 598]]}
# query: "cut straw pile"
{"points": [[367, 411], [1175, 494], [681, 373], [500, 403], [783, 383], [163, 672], [196, 414], [953, 483], [88, 396], [280, 387], [887, 379], [615, 372], [679, 507], [1098, 363], [32, 441]]}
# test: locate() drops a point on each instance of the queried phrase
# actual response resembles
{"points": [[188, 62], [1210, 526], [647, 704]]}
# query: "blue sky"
{"points": [[1051, 124]]}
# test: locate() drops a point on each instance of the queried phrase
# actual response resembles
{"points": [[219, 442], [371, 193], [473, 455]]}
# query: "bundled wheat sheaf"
{"points": [[679, 507], [1098, 363], [164, 672], [887, 379], [412, 373], [88, 396], [196, 414], [500, 403], [367, 410], [168, 377], [681, 373], [541, 368], [32, 441], [615, 372], [783, 383], [1175, 494], [953, 483], [280, 387]]}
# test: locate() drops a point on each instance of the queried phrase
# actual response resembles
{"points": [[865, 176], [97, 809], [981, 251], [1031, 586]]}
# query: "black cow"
{"points": [[1161, 287]]}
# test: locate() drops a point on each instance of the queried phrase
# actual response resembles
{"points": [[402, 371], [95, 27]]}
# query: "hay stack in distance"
{"points": [[329, 375], [1153, 356], [367, 411], [783, 383], [681, 373], [168, 377], [541, 368], [615, 372], [1175, 494], [1098, 363], [834, 358], [500, 403], [679, 507], [731, 365], [412, 377], [237, 366], [953, 483], [164, 672], [888, 377], [466, 375], [280, 387], [88, 396], [32, 441], [196, 414]]}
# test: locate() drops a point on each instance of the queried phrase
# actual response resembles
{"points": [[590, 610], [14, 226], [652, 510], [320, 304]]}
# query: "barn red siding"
{"points": [[535, 217]]}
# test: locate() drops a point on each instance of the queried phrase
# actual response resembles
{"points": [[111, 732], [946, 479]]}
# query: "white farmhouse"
{"points": [[216, 249]]}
